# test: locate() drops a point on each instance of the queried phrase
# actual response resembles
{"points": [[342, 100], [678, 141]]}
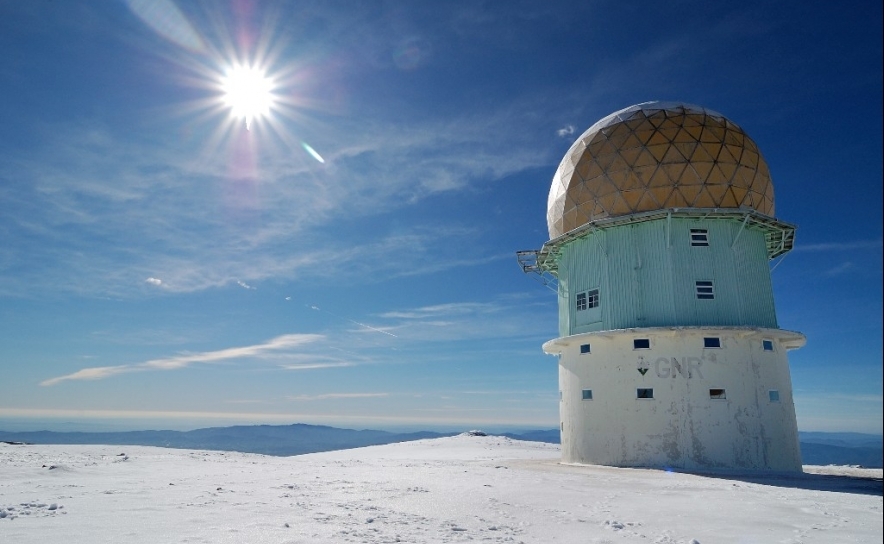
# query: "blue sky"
{"points": [[350, 259]]}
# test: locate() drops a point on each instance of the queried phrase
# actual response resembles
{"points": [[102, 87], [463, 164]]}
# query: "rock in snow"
{"points": [[440, 490]]}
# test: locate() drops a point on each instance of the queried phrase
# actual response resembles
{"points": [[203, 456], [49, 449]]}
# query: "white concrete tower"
{"points": [[661, 233]]}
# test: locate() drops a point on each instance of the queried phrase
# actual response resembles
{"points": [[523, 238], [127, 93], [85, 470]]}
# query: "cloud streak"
{"points": [[838, 270], [275, 345], [327, 396], [853, 245], [314, 366]]}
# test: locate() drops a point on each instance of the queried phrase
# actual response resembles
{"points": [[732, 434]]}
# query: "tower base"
{"points": [[689, 398]]}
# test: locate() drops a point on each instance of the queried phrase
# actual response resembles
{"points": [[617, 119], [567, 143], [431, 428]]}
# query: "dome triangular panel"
{"points": [[646, 157]]}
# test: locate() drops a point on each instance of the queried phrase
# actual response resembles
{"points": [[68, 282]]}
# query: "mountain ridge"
{"points": [[817, 448]]}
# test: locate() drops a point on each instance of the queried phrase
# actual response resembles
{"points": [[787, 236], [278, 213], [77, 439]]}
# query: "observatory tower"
{"points": [[661, 225]]}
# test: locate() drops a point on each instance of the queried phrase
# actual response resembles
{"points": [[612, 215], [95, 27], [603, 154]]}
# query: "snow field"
{"points": [[458, 489]]}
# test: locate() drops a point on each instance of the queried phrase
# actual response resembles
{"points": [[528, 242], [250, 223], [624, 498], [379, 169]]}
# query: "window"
{"points": [[584, 348], [705, 290], [712, 342], [718, 394], [699, 237], [581, 301], [774, 395], [587, 394], [641, 343], [592, 299], [767, 345], [642, 393], [588, 299]]}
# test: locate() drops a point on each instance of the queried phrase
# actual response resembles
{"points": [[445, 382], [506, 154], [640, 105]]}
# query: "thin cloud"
{"points": [[244, 285], [94, 373], [504, 317], [287, 341], [838, 270], [363, 325], [439, 310], [840, 246], [65, 202], [313, 366], [565, 131], [327, 396]]}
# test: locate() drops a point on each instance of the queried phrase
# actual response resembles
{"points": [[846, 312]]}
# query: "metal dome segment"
{"points": [[654, 156]]}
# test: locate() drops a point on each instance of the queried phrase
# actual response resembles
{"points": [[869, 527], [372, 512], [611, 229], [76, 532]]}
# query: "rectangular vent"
{"points": [[719, 394], [699, 237], [705, 290]]}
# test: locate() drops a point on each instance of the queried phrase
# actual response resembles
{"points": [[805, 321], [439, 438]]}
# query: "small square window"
{"points": [[581, 301], [699, 237], [705, 290], [643, 393], [587, 394], [641, 343], [767, 345], [592, 299], [774, 395], [584, 348], [712, 342], [719, 394]]}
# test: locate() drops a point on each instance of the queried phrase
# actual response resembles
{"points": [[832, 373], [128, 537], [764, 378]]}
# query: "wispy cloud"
{"points": [[327, 396], [450, 309], [838, 270], [313, 366], [277, 344], [363, 325], [849, 245], [505, 316], [565, 131], [189, 218]]}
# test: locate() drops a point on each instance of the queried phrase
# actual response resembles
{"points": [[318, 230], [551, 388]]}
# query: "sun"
{"points": [[248, 92]]}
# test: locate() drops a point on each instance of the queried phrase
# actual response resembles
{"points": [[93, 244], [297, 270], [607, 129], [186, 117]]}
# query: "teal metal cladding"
{"points": [[646, 275]]}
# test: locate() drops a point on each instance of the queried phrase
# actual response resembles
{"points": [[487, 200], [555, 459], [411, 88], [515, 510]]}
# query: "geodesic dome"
{"points": [[653, 156]]}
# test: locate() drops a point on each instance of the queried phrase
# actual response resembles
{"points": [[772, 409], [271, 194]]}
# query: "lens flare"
{"points": [[312, 152], [248, 92]]}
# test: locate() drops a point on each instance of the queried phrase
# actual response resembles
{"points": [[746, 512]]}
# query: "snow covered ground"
{"points": [[458, 489]]}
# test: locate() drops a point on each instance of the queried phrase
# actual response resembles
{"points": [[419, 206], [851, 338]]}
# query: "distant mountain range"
{"points": [[266, 439], [816, 448], [841, 449]]}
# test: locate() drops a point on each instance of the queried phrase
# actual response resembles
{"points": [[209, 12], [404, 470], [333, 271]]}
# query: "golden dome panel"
{"points": [[657, 155]]}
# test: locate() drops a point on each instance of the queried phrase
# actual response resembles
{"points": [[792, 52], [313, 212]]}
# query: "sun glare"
{"points": [[248, 92]]}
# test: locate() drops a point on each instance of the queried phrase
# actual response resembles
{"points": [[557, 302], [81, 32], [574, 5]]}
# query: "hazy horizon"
{"points": [[36, 425]]}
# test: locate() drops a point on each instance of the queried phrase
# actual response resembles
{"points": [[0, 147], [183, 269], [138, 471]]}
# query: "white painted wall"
{"points": [[681, 427]]}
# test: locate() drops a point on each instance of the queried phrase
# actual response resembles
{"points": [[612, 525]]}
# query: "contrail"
{"points": [[318, 309]]}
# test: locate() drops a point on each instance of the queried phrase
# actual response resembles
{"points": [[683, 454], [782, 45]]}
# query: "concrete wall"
{"points": [[681, 426]]}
